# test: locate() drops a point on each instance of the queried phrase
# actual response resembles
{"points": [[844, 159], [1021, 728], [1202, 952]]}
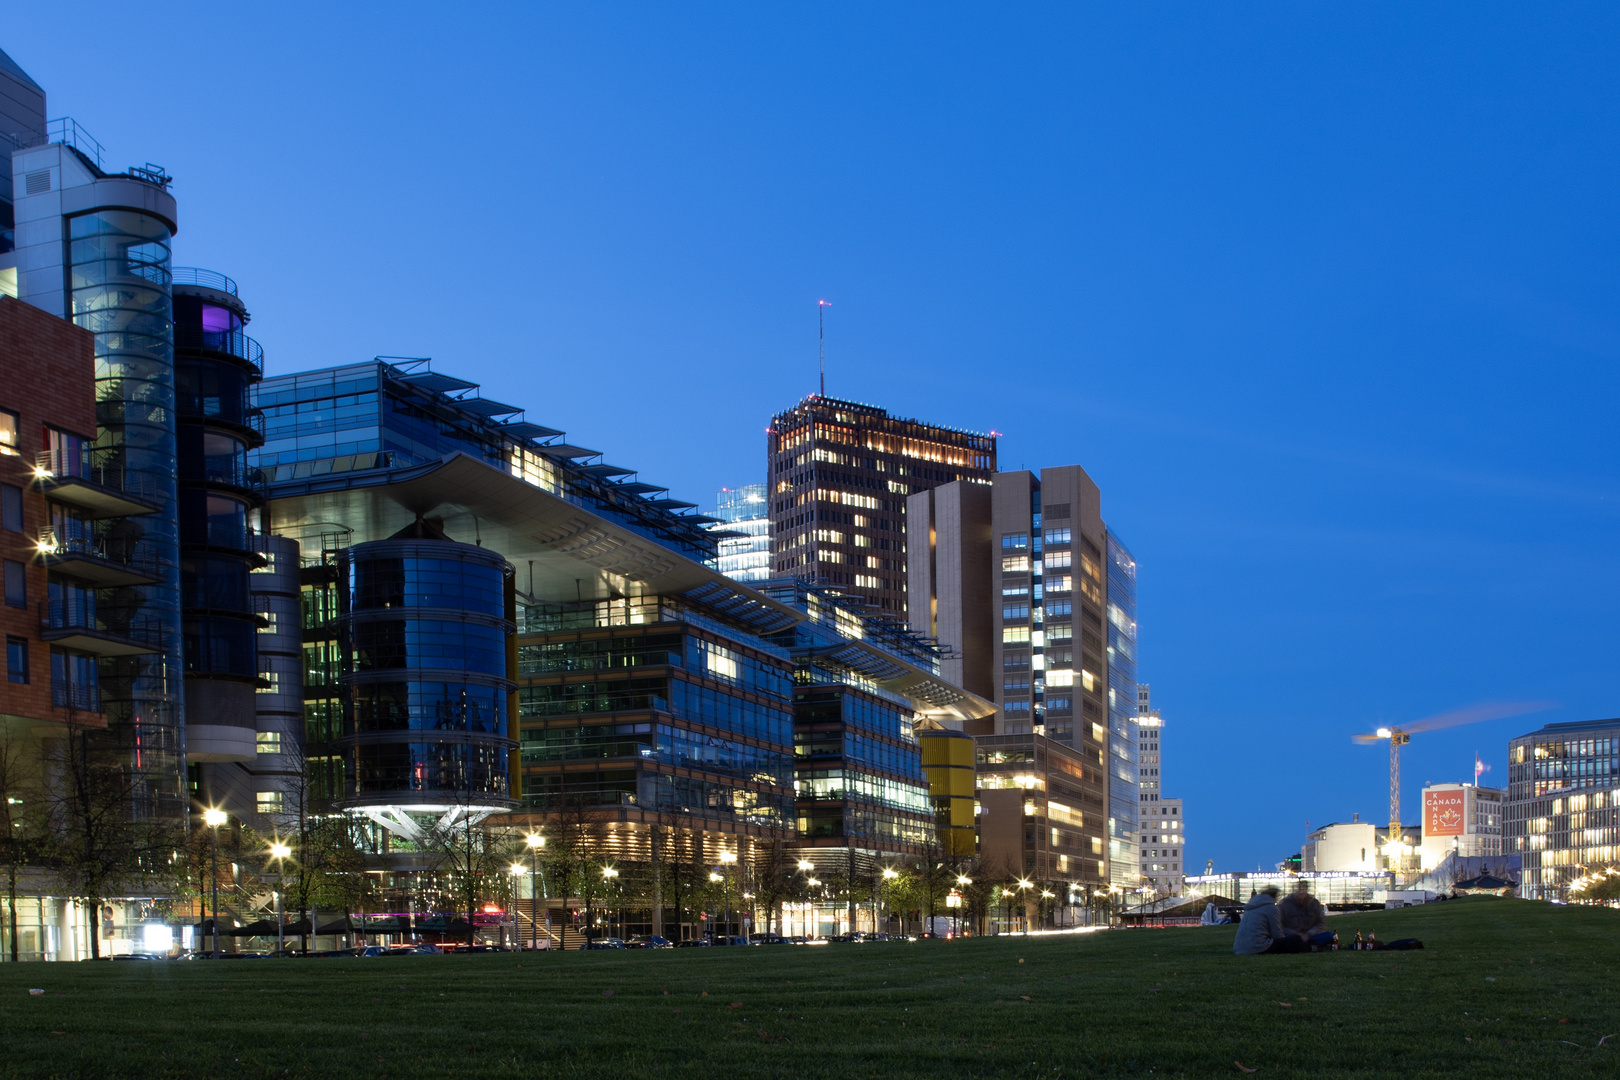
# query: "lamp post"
{"points": [[728, 859], [608, 874], [214, 818], [536, 842], [1023, 884], [278, 852], [962, 882]]}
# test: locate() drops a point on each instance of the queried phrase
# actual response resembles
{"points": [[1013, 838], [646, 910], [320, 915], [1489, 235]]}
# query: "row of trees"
{"points": [[69, 812]]}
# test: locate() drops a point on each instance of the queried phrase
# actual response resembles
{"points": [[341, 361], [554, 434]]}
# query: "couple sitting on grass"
{"points": [[1298, 924]]}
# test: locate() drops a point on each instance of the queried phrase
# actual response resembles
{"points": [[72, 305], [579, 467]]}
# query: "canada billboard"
{"points": [[1443, 812]]}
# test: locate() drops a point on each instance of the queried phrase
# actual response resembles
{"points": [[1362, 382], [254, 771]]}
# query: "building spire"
{"points": [[821, 330]]}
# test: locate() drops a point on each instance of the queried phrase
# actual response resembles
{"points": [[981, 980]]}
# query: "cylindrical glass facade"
{"points": [[219, 499], [425, 648], [120, 284]]}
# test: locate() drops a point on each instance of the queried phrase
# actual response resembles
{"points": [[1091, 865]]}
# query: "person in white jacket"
{"points": [[1211, 917]]}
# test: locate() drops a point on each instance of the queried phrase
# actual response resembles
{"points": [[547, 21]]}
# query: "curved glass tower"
{"points": [[118, 274], [426, 635], [219, 500]]}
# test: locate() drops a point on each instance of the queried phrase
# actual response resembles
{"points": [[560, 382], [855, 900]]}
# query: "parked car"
{"points": [[421, 948], [771, 939], [694, 943], [648, 941], [604, 943]]}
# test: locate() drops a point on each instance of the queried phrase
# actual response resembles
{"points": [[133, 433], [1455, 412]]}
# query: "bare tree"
{"points": [[102, 835], [19, 815]]}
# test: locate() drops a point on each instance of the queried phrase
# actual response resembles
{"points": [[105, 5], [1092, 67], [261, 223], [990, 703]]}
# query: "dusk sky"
{"points": [[1322, 296]]}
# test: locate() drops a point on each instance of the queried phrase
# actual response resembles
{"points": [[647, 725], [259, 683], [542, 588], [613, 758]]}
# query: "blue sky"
{"points": [[1323, 296]]}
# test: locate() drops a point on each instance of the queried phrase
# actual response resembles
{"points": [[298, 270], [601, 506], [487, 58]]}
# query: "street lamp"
{"points": [[214, 818], [1022, 885], [278, 852], [728, 858], [536, 842]]}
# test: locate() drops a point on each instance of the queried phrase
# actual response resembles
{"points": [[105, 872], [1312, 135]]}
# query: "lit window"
{"points": [[269, 802], [270, 622], [269, 742], [1015, 564], [1012, 634], [269, 682], [1060, 678], [8, 433]]}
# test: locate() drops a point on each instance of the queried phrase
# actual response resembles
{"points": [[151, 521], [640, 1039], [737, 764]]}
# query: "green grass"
{"points": [[1504, 989]]}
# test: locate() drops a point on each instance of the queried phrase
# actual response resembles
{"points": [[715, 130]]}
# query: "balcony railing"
{"points": [[123, 557], [231, 342], [208, 279], [94, 467]]}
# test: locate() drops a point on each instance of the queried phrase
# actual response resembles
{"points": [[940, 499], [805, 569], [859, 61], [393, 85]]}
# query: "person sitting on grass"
{"points": [[1304, 917], [1260, 930]]}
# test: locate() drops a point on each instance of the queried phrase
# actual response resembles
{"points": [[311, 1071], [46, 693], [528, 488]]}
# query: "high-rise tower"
{"points": [[839, 475]]}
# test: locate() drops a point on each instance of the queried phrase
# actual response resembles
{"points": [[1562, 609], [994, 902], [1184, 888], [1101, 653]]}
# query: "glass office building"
{"points": [[744, 533], [1563, 804], [1124, 863]]}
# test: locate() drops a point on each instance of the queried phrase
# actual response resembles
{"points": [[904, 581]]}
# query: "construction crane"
{"points": [[1400, 736]]}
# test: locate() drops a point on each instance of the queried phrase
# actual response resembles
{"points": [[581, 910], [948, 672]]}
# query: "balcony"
{"points": [[232, 343], [72, 624], [97, 490], [96, 560]]}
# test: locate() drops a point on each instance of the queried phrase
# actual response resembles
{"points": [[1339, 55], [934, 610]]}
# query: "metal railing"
{"points": [[93, 466], [233, 472], [124, 552], [232, 342], [208, 279], [66, 130]]}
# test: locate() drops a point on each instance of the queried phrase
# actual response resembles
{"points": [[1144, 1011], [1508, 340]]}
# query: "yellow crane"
{"points": [[1400, 736]]}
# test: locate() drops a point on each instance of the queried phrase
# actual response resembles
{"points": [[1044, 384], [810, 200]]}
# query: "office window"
{"points": [[8, 433], [269, 802], [268, 742], [11, 512], [1015, 542], [1015, 564], [1013, 634], [16, 659], [1015, 590], [16, 584], [1057, 536], [1015, 611], [271, 682]]}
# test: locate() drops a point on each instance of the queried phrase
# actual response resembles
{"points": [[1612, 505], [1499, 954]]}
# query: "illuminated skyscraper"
{"points": [[744, 532], [839, 476]]}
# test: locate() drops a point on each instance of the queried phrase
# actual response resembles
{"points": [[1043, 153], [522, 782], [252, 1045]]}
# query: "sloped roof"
{"points": [[9, 66]]}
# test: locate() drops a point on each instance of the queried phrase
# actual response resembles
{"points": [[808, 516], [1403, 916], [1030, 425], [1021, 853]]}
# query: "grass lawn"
{"points": [[1504, 989]]}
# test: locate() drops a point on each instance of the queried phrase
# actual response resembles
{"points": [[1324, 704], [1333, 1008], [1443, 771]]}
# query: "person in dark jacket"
{"points": [[1260, 930], [1304, 917]]}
